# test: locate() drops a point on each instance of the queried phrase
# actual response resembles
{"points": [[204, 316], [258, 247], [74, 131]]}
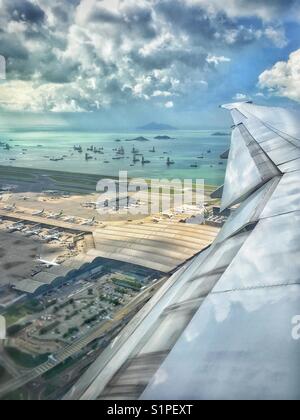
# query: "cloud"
{"points": [[277, 36], [240, 97], [283, 79], [23, 10], [169, 105], [159, 93], [90, 54], [267, 9], [28, 96], [216, 60]]}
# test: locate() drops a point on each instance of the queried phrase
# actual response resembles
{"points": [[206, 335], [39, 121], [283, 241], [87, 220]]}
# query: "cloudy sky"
{"points": [[122, 63]]}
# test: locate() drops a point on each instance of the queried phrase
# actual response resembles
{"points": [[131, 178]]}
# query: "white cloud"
{"points": [[169, 105], [277, 36], [265, 10], [240, 97], [159, 93], [28, 96], [260, 95], [216, 60], [283, 79]]}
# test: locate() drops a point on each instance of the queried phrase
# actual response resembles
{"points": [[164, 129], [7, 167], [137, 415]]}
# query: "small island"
{"points": [[164, 138], [220, 134], [139, 139]]}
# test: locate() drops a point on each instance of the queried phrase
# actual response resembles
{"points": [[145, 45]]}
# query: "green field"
{"points": [[17, 312], [24, 359]]}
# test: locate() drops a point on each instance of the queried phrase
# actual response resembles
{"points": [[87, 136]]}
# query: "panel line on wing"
{"points": [[266, 167], [248, 169]]}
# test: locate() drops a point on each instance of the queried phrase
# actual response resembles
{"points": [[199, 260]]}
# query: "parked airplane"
{"points": [[38, 213], [89, 222], [32, 232], [70, 219], [48, 263], [10, 208], [57, 215], [17, 227], [53, 237]]}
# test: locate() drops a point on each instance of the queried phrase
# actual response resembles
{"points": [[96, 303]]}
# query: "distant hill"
{"points": [[141, 139], [157, 127], [163, 138], [220, 133]]}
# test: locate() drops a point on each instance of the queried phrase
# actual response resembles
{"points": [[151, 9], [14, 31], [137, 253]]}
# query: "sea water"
{"points": [[35, 149]]}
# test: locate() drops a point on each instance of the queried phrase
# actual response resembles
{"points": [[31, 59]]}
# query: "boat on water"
{"points": [[170, 162], [5, 145], [98, 150], [56, 159], [88, 157], [134, 151], [120, 151], [78, 148], [144, 161]]}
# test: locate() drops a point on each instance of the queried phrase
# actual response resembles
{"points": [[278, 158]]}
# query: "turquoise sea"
{"points": [[35, 149]]}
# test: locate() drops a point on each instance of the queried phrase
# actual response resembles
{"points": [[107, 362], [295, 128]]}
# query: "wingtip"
{"points": [[233, 105]]}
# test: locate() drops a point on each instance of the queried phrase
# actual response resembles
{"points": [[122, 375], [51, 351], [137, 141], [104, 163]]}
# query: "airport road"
{"points": [[120, 318]]}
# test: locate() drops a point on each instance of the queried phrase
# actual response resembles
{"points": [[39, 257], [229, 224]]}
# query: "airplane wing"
{"points": [[222, 326]]}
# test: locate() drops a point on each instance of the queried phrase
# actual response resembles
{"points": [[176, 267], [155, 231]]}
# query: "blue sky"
{"points": [[99, 64]]}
